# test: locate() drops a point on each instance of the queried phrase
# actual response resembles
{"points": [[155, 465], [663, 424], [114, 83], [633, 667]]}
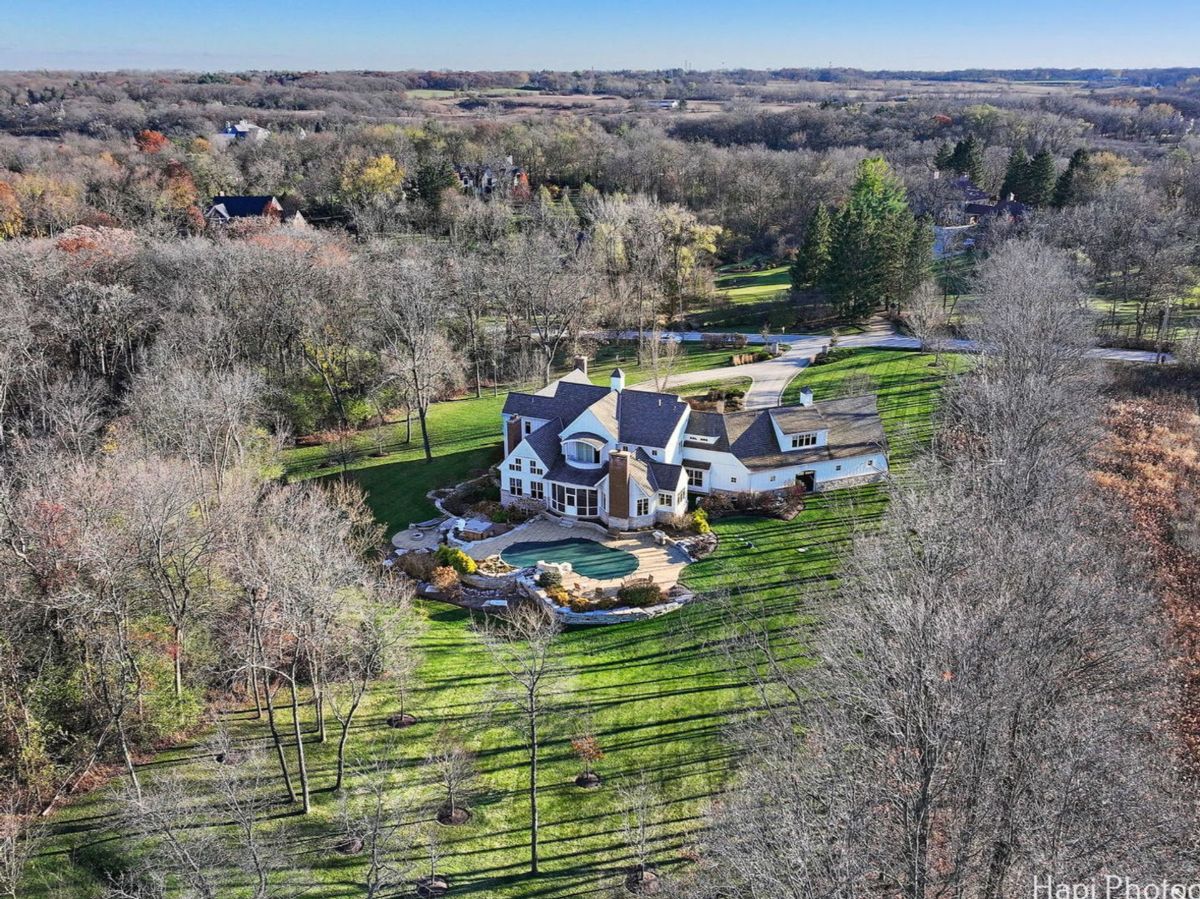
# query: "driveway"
{"points": [[771, 378]]}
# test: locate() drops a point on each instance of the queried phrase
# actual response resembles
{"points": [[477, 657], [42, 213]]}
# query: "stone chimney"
{"points": [[617, 380], [618, 484], [581, 364], [806, 397]]}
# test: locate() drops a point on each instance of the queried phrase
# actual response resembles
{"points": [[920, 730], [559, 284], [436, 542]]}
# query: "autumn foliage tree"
{"points": [[151, 141]]}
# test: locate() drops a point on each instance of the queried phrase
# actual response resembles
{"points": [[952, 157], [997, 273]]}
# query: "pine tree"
{"points": [[1065, 189], [874, 235], [1016, 176], [942, 158], [812, 262], [974, 160], [967, 159], [1041, 179]]}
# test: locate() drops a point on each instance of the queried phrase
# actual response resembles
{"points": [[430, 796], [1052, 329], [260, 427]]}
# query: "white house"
{"points": [[241, 132], [629, 458]]}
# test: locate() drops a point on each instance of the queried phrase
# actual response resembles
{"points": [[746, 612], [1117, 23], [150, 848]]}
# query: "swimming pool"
{"points": [[587, 557]]}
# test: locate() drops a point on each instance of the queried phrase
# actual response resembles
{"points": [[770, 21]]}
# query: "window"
{"points": [[583, 452], [695, 477], [528, 426], [643, 506], [666, 500], [515, 487], [537, 490], [654, 452], [536, 467], [514, 465], [871, 463], [837, 468], [799, 441], [579, 501], [733, 480], [772, 477]]}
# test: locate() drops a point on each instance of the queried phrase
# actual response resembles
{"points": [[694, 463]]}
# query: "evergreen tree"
{"points": [[1041, 179], [1065, 189], [941, 159], [967, 159], [875, 236], [812, 261], [1016, 176]]}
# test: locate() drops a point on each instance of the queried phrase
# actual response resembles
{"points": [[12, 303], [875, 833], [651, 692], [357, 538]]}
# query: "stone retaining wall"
{"points": [[620, 615]]}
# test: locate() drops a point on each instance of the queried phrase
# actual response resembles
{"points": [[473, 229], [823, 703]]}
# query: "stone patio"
{"points": [[664, 563]]}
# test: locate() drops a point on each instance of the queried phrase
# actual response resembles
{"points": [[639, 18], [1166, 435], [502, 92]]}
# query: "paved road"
{"points": [[771, 378]]}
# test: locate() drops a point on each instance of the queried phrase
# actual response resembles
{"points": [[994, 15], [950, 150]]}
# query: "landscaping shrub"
{"points": [[700, 522], [638, 596], [456, 559], [834, 354], [558, 593], [445, 581], [417, 565], [548, 579]]}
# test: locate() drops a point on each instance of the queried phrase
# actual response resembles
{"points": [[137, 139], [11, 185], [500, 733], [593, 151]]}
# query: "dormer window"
{"points": [[583, 453], [800, 441], [528, 426]]}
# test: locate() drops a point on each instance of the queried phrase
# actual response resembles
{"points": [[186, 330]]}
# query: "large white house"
{"points": [[629, 458]]}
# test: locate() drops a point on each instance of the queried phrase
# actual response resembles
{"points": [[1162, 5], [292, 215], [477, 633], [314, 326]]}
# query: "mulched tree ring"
{"points": [[437, 885], [349, 846], [459, 816], [642, 882], [589, 781], [233, 757], [401, 720]]}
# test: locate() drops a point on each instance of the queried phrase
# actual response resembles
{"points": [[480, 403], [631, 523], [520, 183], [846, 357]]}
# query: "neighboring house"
{"points": [[483, 180], [241, 132], [629, 458], [224, 209]]}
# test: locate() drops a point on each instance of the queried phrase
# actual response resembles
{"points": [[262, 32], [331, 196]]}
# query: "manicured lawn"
{"points": [[464, 436], [905, 382], [657, 693], [692, 357]]}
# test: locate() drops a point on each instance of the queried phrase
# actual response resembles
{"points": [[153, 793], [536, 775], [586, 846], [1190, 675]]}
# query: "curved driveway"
{"points": [[771, 378]]}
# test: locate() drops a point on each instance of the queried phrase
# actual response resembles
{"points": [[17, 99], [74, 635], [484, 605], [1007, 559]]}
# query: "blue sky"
{"points": [[472, 34]]}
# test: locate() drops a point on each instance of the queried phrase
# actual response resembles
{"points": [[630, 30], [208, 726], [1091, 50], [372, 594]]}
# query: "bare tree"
{"points": [[410, 308], [523, 645], [545, 290], [365, 641], [452, 767]]}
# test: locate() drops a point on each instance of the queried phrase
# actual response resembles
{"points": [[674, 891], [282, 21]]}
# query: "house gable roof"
{"points": [[243, 207], [564, 399], [648, 419], [853, 423]]}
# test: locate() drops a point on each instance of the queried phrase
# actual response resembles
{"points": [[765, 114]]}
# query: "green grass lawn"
{"points": [[464, 436], [906, 383], [657, 693]]}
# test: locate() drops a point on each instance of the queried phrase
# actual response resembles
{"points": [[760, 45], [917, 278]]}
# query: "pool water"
{"points": [[587, 557]]}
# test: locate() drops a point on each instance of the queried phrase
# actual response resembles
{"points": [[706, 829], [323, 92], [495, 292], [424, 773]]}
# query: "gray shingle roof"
{"points": [[568, 400], [661, 475], [648, 419], [854, 426], [580, 477], [544, 441]]}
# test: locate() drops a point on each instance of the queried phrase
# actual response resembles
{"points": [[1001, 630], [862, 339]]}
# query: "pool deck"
{"points": [[664, 563]]}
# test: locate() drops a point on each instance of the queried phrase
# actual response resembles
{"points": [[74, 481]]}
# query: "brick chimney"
{"points": [[618, 484], [512, 434]]}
